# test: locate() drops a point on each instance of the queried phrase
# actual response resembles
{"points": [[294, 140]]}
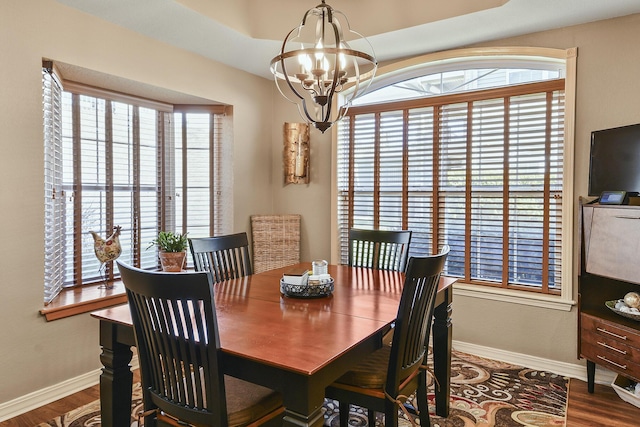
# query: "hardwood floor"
{"points": [[59, 407], [52, 410], [602, 409]]}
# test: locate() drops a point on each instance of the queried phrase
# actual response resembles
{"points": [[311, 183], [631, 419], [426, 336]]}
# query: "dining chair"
{"points": [[380, 249], [222, 257], [182, 375], [383, 381]]}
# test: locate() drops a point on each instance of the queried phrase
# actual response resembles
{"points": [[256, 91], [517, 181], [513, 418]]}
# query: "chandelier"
{"points": [[316, 63]]}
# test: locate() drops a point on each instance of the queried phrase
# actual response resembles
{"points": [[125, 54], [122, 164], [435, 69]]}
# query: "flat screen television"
{"points": [[615, 160]]}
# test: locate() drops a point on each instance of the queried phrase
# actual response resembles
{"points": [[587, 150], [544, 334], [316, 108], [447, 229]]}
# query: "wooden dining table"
{"points": [[293, 345]]}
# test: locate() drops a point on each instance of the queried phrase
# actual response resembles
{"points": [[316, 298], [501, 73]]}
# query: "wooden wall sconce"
{"points": [[296, 153]]}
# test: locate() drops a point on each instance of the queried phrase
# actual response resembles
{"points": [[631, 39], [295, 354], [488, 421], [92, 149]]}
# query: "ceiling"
{"points": [[246, 34]]}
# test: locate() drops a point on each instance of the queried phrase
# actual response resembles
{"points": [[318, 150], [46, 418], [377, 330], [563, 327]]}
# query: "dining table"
{"points": [[297, 346]]}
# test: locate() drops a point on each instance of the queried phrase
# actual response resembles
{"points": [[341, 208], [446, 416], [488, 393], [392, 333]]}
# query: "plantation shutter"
{"points": [[391, 197], [194, 180], [221, 183], [54, 196], [486, 218], [451, 200], [420, 179], [535, 202], [136, 186], [345, 185]]}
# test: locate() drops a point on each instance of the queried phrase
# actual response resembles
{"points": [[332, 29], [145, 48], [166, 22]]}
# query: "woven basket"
{"points": [[275, 241]]}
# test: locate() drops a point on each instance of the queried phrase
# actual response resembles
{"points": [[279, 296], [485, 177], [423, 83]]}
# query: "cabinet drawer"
{"points": [[611, 359], [611, 345], [593, 326]]}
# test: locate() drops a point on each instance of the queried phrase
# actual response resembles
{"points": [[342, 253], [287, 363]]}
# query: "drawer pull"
{"points": [[622, 337], [613, 363], [612, 348]]}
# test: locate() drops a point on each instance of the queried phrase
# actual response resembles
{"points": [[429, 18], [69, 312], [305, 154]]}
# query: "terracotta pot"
{"points": [[172, 261]]}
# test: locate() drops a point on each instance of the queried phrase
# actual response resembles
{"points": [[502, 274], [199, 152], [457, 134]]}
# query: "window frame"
{"points": [[435, 62]]}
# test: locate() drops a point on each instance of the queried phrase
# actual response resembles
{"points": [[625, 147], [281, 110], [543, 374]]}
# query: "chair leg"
{"points": [[344, 414], [371, 417], [423, 402], [391, 414]]}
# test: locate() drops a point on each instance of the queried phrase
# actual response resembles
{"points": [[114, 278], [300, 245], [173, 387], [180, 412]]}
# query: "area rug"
{"points": [[484, 392]]}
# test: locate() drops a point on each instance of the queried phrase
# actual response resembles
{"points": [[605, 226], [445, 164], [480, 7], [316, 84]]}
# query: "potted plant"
{"points": [[172, 249]]}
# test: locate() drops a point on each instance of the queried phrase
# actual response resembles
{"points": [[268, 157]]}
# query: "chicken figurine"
{"points": [[107, 249]]}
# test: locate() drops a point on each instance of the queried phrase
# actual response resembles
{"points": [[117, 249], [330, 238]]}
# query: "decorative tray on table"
{"points": [[612, 306], [305, 290]]}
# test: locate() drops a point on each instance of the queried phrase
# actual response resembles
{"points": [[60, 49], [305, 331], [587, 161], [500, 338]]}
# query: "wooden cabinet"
{"points": [[610, 267]]}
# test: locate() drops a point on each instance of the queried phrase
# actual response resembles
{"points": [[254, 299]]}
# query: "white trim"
{"points": [[576, 370], [430, 63], [82, 89], [47, 395], [568, 153], [44, 396], [513, 296]]}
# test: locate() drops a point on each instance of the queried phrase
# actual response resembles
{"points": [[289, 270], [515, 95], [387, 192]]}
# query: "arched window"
{"points": [[467, 149]]}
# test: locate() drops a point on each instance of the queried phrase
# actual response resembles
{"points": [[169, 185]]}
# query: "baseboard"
{"points": [[42, 397], [571, 370]]}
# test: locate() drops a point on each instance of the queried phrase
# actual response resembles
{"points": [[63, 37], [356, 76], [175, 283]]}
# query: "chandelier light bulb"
{"points": [[319, 52], [305, 63]]}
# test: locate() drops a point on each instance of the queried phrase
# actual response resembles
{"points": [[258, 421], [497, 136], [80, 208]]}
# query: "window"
{"points": [[478, 167], [114, 160]]}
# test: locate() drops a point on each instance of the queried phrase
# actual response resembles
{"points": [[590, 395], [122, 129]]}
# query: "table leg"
{"points": [[303, 400], [294, 419], [116, 380], [442, 338]]}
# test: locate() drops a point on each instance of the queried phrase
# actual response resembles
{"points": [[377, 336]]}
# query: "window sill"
{"points": [[517, 297], [84, 299]]}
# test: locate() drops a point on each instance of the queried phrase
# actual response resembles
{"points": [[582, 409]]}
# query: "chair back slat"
{"points": [[415, 314], [222, 257], [380, 249], [176, 335]]}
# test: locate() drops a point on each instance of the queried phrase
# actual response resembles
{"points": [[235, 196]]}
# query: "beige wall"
{"points": [[35, 354], [313, 200]]}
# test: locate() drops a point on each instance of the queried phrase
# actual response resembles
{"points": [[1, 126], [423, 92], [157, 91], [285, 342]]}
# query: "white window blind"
{"points": [[199, 152], [482, 174], [54, 197], [197, 155], [112, 180], [420, 127]]}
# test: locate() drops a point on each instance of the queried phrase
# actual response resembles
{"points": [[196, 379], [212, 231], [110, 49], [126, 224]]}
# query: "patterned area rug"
{"points": [[484, 392]]}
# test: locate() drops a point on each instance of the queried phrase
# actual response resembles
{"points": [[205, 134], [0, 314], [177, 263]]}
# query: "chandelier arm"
{"points": [[306, 112], [336, 68], [293, 89], [284, 67]]}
